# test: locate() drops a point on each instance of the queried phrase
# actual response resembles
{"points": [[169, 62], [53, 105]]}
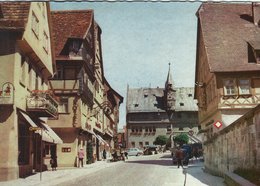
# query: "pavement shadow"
{"points": [[153, 162]]}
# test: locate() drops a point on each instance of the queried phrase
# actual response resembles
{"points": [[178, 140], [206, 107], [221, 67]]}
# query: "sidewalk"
{"points": [[50, 178]]}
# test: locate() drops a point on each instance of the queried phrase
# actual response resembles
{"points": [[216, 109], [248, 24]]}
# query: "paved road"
{"points": [[155, 170]]}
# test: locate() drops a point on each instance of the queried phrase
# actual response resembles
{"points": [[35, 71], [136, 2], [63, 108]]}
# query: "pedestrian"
{"points": [[54, 163], [179, 155], [81, 155], [126, 154], [104, 154]]}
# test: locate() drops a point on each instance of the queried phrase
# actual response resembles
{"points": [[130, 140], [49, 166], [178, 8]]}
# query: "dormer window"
{"points": [[253, 51]]}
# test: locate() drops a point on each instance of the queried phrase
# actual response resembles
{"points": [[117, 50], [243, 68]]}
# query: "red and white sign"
{"points": [[191, 132], [218, 124]]}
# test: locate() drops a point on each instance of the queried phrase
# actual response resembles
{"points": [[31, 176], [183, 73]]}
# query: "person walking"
{"points": [[54, 163], [104, 154], [179, 155], [81, 155]]}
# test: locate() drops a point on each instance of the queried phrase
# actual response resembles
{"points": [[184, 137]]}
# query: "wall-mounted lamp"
{"points": [[200, 84]]}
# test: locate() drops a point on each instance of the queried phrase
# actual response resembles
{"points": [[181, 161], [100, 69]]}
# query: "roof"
{"points": [[69, 24], [151, 100], [14, 15], [226, 31]]}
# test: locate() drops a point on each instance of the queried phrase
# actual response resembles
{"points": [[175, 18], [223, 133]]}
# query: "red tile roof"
{"points": [[226, 30], [69, 24], [14, 15]]}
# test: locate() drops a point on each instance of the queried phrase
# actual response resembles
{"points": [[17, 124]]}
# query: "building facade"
{"points": [[227, 67], [160, 111], [25, 102], [88, 108]]}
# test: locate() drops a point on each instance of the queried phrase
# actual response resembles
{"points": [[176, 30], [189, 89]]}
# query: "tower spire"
{"points": [[169, 81]]}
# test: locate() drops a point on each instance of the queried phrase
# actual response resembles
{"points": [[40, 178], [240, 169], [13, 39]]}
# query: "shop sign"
{"points": [[7, 94]]}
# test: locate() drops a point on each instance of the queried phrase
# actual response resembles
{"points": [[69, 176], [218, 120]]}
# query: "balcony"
{"points": [[61, 86], [42, 104]]}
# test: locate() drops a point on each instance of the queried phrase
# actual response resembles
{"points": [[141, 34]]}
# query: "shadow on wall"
{"points": [[8, 110]]}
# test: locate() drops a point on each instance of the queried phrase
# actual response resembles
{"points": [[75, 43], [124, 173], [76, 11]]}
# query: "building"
{"points": [[25, 102], [121, 135], [227, 67], [160, 111], [88, 108]]}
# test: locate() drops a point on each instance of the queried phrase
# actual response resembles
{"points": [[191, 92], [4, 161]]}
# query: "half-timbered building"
{"points": [[227, 67]]}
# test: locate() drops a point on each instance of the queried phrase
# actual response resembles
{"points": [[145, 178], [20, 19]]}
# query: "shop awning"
{"points": [[52, 134], [100, 139], [46, 132]]}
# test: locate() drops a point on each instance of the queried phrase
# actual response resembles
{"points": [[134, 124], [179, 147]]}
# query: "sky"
{"points": [[140, 39]]}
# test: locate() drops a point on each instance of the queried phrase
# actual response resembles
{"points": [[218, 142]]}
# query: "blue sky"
{"points": [[139, 39]]}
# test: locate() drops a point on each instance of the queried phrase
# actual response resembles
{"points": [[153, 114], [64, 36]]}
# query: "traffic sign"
{"points": [[218, 124], [191, 132]]}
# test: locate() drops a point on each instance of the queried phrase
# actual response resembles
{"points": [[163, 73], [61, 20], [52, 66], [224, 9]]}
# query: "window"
{"points": [[169, 129], [244, 86], [181, 104], [23, 71], [45, 42], [229, 87], [63, 105], [35, 25], [147, 143], [133, 144], [141, 144]]}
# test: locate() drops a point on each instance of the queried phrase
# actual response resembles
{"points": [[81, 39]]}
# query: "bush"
{"points": [[160, 140], [182, 139]]}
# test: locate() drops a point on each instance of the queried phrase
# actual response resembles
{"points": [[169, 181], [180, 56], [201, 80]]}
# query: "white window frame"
{"points": [[244, 88], [227, 87]]}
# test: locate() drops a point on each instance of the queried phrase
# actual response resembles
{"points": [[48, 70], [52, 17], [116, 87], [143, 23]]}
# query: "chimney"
{"points": [[256, 13]]}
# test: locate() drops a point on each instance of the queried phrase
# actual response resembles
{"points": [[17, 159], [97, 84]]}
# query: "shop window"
{"points": [[23, 144]]}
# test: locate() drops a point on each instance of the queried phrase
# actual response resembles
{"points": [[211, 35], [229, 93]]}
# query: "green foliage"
{"points": [[182, 138], [160, 140]]}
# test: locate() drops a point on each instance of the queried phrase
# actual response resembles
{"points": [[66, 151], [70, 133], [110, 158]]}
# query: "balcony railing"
{"points": [[42, 104]]}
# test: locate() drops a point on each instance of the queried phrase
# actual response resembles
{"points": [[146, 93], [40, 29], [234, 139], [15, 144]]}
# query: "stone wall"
{"points": [[236, 146]]}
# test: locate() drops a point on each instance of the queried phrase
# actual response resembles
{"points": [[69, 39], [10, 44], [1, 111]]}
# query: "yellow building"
{"points": [[26, 65]]}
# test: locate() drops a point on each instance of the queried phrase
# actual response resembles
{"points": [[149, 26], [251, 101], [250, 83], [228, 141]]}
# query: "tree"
{"points": [[160, 140], [181, 139]]}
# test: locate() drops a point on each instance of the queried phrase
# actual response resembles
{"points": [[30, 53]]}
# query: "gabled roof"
{"points": [[152, 100], [70, 24], [14, 15], [226, 30]]}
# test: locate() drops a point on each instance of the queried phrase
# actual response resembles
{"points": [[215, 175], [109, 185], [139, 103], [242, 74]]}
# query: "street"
{"points": [[152, 170]]}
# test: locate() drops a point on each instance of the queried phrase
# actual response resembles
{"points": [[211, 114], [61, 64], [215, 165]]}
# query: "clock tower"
{"points": [[169, 93]]}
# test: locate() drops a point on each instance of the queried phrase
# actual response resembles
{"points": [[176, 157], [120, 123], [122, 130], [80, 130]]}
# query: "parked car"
{"points": [[150, 149], [134, 152]]}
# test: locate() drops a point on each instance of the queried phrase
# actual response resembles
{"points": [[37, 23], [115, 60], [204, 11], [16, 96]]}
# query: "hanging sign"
{"points": [[7, 94]]}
